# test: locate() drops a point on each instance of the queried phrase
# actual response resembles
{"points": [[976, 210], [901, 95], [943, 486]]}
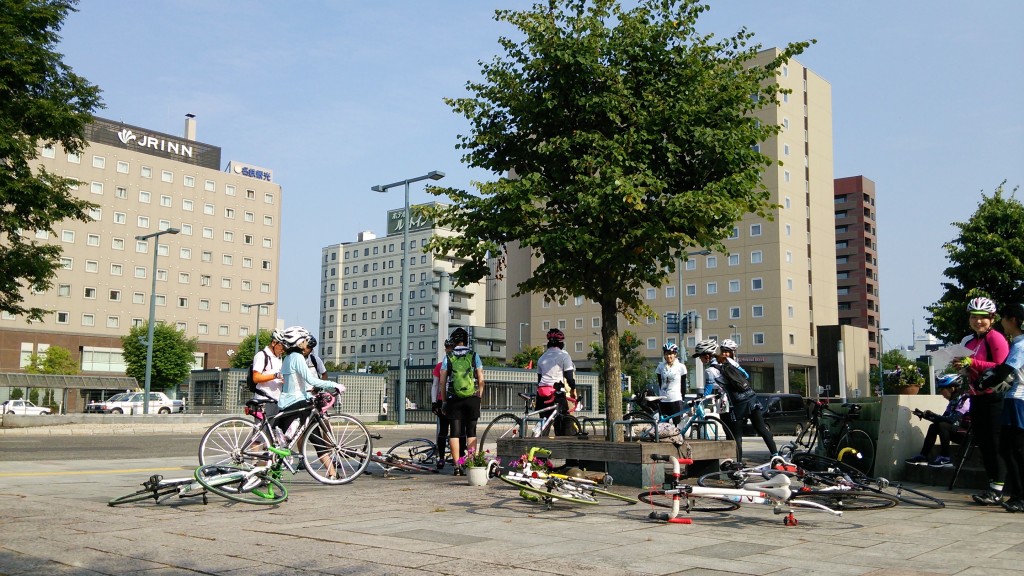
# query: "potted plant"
{"points": [[478, 465], [906, 379]]}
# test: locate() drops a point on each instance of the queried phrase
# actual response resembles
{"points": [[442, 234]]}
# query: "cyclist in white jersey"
{"points": [[555, 370], [671, 375]]}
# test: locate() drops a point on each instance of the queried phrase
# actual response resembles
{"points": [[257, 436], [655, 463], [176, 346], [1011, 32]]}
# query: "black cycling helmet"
{"points": [[459, 336], [448, 343], [311, 343]]}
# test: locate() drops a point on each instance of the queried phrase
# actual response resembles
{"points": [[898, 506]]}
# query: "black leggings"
{"points": [[740, 413], [944, 432], [1011, 448], [985, 412], [560, 400]]}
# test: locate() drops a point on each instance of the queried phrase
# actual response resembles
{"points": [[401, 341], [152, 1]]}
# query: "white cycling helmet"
{"points": [[729, 345], [294, 337], [981, 305], [705, 347]]}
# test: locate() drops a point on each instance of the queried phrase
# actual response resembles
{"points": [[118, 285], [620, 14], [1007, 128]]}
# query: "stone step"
{"points": [[972, 475]]}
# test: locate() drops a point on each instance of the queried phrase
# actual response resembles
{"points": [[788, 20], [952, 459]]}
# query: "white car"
{"points": [[22, 407]]}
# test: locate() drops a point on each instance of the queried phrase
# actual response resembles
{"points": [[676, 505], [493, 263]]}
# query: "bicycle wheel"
{"points": [[336, 449], [571, 426], [503, 427], [551, 490], [610, 494], [710, 427], [855, 448], [847, 499], [723, 479], [418, 451], [639, 427], [233, 483], [690, 503], [233, 441], [818, 463]]}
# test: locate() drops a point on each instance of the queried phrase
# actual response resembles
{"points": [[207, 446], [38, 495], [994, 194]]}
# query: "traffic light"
{"points": [[684, 325], [672, 322]]}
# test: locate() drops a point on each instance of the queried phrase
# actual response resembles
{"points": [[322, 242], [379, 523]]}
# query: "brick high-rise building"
{"points": [[857, 257]]}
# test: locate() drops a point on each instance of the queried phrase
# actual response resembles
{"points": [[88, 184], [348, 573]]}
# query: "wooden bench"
{"points": [[629, 463]]}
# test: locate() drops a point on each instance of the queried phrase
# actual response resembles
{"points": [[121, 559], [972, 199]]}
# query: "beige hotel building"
{"points": [[208, 277]]}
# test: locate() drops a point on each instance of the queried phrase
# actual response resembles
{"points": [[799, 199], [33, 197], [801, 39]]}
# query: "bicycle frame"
{"points": [[543, 423], [693, 412]]}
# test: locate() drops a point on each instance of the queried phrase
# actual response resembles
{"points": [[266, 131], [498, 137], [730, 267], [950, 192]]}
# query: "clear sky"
{"points": [[337, 96]]}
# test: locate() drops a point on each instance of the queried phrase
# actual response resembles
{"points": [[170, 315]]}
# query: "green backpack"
{"points": [[462, 375]]}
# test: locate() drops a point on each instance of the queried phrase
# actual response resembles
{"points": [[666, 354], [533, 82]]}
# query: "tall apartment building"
{"points": [[360, 298], [857, 257], [224, 259], [777, 281]]}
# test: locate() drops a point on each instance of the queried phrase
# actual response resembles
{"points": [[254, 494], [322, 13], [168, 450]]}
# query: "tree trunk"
{"points": [[612, 368]]}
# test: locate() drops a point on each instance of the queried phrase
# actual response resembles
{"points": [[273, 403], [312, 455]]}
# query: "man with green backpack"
{"points": [[463, 371]]}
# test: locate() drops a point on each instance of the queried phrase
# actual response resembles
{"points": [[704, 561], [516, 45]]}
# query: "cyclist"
{"points": [[297, 377], [706, 351], [990, 349], [266, 372], [743, 405], [1008, 378], [671, 376], [316, 365], [443, 424], [555, 370], [462, 412], [729, 348], [950, 425]]}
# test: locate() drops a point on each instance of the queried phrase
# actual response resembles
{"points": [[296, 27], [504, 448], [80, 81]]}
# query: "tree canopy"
{"points": [[41, 102], [242, 358], [173, 355], [985, 260], [55, 360], [619, 139]]}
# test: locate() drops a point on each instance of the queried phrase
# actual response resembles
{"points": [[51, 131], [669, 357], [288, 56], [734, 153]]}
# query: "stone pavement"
{"points": [[55, 520]]}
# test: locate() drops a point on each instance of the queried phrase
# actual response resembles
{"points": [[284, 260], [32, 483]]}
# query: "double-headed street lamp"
{"points": [[152, 312], [259, 308], [404, 312], [698, 374]]}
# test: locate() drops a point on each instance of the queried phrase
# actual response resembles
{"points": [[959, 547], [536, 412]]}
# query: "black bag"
{"points": [[736, 384], [249, 382]]}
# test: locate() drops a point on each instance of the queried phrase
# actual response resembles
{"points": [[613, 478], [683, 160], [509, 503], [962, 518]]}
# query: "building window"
{"points": [[116, 270], [229, 236], [187, 205], [92, 266], [49, 152], [756, 257], [92, 240], [96, 187], [229, 213], [755, 229], [113, 322], [734, 312], [670, 292], [165, 201], [712, 314], [691, 289], [143, 222], [712, 262], [229, 189], [89, 293], [185, 254], [88, 320], [144, 196], [757, 311], [734, 285], [63, 317], [182, 302], [189, 181], [734, 259], [712, 287], [67, 236], [652, 293], [759, 338], [756, 284], [64, 290], [209, 209], [166, 176]]}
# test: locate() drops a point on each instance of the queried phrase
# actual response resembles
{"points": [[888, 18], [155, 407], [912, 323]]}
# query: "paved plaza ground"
{"points": [[55, 520]]}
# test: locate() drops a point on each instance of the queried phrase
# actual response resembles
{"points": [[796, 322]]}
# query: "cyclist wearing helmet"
{"points": [[554, 370], [266, 372], [729, 348], [316, 365], [671, 376], [706, 351], [462, 413], [952, 424], [443, 424], [297, 376], [990, 349]]}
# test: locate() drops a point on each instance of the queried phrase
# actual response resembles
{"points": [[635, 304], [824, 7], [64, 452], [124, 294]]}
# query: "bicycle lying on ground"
{"points": [[509, 425], [412, 455], [249, 485], [837, 442], [334, 449], [537, 483], [646, 423], [776, 491]]}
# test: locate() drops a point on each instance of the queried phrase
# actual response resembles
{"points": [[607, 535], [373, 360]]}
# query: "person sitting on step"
{"points": [[951, 425]]}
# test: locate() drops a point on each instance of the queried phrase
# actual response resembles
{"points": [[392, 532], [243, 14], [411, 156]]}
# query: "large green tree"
{"points": [[242, 358], [619, 138], [41, 102], [173, 355], [55, 360], [985, 260], [634, 364]]}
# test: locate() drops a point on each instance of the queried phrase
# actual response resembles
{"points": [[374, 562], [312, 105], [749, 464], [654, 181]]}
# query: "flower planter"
{"points": [[910, 390], [477, 475]]}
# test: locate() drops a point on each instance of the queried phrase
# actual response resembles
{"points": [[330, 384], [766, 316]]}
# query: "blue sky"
{"points": [[336, 96]]}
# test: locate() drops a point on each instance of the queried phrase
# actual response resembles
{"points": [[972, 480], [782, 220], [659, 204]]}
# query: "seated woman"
{"points": [[951, 425]]}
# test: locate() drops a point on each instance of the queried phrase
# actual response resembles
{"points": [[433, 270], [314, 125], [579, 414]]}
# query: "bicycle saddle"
{"points": [[778, 487], [525, 396]]}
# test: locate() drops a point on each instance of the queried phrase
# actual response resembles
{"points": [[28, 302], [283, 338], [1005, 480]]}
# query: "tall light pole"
{"points": [[403, 314], [152, 313], [521, 324], [881, 372], [698, 374], [259, 308]]}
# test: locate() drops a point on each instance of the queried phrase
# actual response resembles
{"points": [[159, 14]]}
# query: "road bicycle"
{"points": [[334, 449], [249, 485], [838, 441], [776, 491], [537, 483], [509, 425], [412, 455], [649, 424], [815, 472]]}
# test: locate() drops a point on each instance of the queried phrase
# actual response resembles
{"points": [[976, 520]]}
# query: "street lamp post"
{"points": [[403, 314], [259, 308], [698, 376], [152, 313], [881, 372], [521, 324]]}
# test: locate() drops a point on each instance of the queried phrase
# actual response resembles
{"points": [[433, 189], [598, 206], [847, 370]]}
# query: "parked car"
{"points": [[131, 403], [99, 406], [23, 407], [785, 414]]}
